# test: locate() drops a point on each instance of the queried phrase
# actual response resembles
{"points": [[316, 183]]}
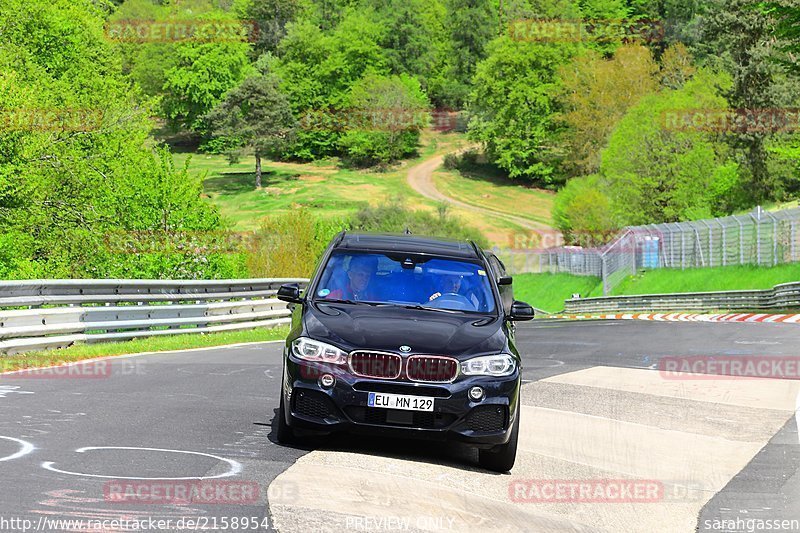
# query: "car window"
{"points": [[438, 283]]}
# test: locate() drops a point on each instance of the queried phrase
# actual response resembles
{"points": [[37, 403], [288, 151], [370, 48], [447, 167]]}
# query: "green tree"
{"points": [[657, 170], [258, 116], [270, 18], [514, 104], [415, 40], [77, 164], [203, 73], [787, 16], [744, 36], [317, 70], [385, 117], [597, 92], [472, 24]]}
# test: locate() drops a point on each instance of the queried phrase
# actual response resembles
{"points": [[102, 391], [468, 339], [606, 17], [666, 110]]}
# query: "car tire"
{"points": [[501, 458], [284, 433]]}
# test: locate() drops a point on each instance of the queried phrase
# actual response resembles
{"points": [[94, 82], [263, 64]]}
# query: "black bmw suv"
{"points": [[407, 336]]}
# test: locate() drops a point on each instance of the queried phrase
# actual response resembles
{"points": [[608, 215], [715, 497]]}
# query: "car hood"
{"points": [[386, 328]]}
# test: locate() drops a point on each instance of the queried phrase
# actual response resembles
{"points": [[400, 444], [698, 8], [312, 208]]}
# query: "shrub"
{"points": [[394, 217], [582, 212], [289, 245]]}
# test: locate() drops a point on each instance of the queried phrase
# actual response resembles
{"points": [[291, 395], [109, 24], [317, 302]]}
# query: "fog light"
{"points": [[327, 381], [476, 393]]}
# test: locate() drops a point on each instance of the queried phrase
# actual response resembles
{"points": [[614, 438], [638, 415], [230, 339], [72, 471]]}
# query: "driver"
{"points": [[359, 274], [451, 284]]}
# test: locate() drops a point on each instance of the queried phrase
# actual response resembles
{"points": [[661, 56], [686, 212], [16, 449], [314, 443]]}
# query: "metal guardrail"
{"points": [[784, 296], [58, 313]]}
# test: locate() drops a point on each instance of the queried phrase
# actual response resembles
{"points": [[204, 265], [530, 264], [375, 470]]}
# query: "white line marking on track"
{"points": [[25, 448], [235, 466]]}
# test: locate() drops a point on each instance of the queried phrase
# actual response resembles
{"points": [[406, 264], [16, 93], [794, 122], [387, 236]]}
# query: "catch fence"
{"points": [[761, 238]]}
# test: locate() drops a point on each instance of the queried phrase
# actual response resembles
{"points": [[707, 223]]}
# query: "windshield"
{"points": [[435, 283]]}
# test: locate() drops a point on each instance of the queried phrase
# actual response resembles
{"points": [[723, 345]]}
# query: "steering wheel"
{"points": [[448, 299]]}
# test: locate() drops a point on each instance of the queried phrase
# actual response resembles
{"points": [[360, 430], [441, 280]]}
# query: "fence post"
{"points": [[603, 274], [774, 240], [710, 243], [683, 250], [741, 241]]}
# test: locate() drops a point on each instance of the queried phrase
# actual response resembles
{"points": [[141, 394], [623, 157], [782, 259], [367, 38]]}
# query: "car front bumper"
{"points": [[343, 407]]}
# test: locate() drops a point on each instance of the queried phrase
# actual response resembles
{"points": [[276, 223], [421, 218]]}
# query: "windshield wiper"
{"points": [[422, 307], [352, 302]]}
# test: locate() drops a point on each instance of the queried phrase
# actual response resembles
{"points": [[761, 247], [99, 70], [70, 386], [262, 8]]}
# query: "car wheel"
{"points": [[501, 458], [284, 433]]}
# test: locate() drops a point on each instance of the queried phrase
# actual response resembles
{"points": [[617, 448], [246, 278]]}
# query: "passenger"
{"points": [[359, 275]]}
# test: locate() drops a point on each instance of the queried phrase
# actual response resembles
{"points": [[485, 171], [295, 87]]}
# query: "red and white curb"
{"points": [[689, 317]]}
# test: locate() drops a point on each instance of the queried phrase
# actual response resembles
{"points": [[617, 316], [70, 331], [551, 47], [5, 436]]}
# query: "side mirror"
{"points": [[521, 311], [505, 280], [290, 293]]}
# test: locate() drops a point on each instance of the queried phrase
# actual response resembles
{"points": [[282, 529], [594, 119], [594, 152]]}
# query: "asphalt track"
{"points": [[594, 409]]}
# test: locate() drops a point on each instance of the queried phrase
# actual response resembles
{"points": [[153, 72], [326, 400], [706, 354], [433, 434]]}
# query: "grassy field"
{"points": [[548, 291], [328, 189], [150, 344], [332, 191], [496, 192]]}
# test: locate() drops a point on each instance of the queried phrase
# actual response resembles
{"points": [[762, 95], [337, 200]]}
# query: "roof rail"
{"points": [[340, 237], [476, 248]]}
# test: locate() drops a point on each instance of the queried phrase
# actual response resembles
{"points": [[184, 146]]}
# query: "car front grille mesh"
{"points": [[312, 404], [375, 364], [488, 418], [431, 368]]}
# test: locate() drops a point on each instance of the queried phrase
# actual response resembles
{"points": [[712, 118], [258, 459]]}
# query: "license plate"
{"points": [[400, 401]]}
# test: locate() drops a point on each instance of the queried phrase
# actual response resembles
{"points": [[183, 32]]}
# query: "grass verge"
{"points": [[548, 291], [667, 280], [147, 344]]}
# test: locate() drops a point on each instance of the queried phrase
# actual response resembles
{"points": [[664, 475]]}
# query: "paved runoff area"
{"points": [[626, 426]]}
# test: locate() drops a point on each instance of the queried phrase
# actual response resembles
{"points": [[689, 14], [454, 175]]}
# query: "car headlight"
{"points": [[489, 365], [311, 350]]}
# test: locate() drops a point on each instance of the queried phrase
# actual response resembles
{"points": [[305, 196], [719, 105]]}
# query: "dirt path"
{"points": [[420, 178]]}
